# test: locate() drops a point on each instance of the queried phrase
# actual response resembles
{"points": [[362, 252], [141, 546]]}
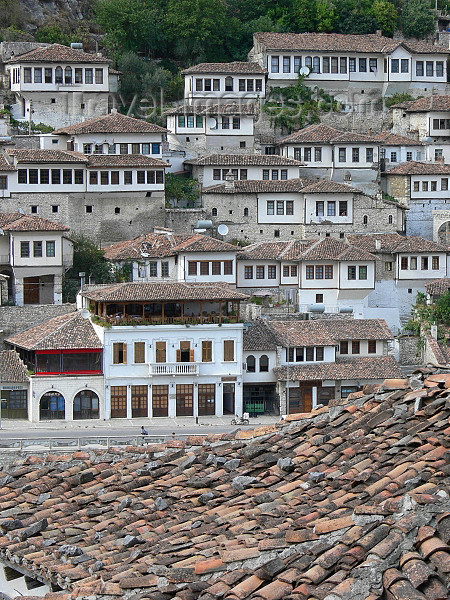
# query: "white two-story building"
{"points": [[242, 80], [57, 85], [351, 67]]}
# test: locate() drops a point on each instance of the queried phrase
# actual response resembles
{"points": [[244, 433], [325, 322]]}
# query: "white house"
{"points": [[58, 85], [348, 65], [34, 255], [242, 80], [166, 256], [396, 149], [173, 349]]}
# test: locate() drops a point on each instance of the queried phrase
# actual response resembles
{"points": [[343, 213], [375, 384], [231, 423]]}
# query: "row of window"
{"points": [[263, 363], [305, 354], [144, 148], [431, 186], [152, 270], [411, 263], [306, 153], [441, 123], [38, 249], [244, 85], [215, 267], [76, 176], [409, 155], [331, 205], [59, 75], [185, 352], [284, 207], [355, 346], [260, 272], [34, 209]]}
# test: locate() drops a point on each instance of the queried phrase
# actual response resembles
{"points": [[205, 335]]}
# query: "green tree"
{"points": [[182, 192], [88, 258], [11, 14], [386, 16], [305, 15], [354, 16], [325, 16], [52, 34], [417, 18]]}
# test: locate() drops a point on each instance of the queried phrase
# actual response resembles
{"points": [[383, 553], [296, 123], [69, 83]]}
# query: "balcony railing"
{"points": [[180, 368], [185, 320]]}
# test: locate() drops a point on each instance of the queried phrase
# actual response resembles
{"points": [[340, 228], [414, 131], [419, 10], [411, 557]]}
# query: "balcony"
{"points": [[180, 368]]}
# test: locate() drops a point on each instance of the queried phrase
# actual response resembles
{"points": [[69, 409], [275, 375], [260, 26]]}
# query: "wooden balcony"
{"points": [[180, 368]]}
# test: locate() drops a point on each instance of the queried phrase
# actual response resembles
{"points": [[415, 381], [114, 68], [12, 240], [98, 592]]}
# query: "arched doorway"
{"points": [[86, 405], [444, 233], [52, 406]]}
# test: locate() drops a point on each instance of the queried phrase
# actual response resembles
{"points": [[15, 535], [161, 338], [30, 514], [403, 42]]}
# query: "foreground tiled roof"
{"points": [[20, 222], [65, 332], [328, 332], [345, 503], [12, 369], [159, 245], [320, 133], [258, 186], [349, 368], [125, 160], [330, 187], [387, 138], [336, 42], [291, 250], [5, 165], [114, 122], [438, 287], [243, 160], [419, 168], [58, 53], [162, 292], [226, 107], [259, 336], [230, 67], [426, 104], [394, 243], [46, 156]]}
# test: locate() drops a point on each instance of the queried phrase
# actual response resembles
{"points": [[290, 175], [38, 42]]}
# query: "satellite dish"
{"points": [[222, 229], [145, 254], [85, 313], [304, 71]]}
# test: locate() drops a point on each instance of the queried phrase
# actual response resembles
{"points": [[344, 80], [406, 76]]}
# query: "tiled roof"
{"points": [[291, 250], [351, 368], [162, 292], [419, 168], [58, 53], [394, 243], [125, 160], [429, 103], [438, 287], [229, 67], [333, 249], [20, 222], [65, 332], [227, 107], [46, 156], [5, 165], [320, 133], [159, 245], [259, 336], [328, 332], [342, 504], [387, 138], [336, 42], [325, 186], [12, 369], [258, 186], [114, 122], [244, 160]]}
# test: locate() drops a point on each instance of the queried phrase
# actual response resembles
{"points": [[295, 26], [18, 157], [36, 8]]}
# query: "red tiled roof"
{"points": [[114, 122], [333, 249], [320, 133], [429, 103], [46, 156], [161, 292], [58, 53], [387, 138], [259, 186], [20, 222], [438, 287], [291, 250], [227, 107], [12, 369], [259, 336], [379, 368], [394, 243], [244, 160], [229, 67], [325, 186], [124, 160], [419, 168], [5, 165], [65, 332]]}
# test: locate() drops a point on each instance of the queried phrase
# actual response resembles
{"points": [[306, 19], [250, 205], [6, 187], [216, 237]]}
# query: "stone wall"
{"points": [[183, 220], [30, 142], [409, 350], [14, 319]]}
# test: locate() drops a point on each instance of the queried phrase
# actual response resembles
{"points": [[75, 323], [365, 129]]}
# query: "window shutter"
{"points": [[124, 354], [178, 355], [191, 355]]}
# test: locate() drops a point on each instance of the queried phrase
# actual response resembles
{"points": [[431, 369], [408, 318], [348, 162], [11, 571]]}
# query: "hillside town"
{"points": [[253, 261]]}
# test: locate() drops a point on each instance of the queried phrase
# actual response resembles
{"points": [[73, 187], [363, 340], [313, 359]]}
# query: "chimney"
{"points": [[378, 33], [162, 230], [377, 244], [229, 182], [114, 111]]}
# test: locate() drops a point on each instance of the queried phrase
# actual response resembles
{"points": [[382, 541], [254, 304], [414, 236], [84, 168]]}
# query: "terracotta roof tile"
{"points": [[58, 53], [20, 222], [259, 336], [46, 156], [257, 186], [263, 160], [394, 243], [113, 122], [438, 287], [228, 67], [429, 103], [12, 369], [361, 368], [387, 138], [320, 133], [124, 160], [419, 168], [227, 107]]}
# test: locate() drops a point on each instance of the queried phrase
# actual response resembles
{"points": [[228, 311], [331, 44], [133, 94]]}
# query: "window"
{"points": [[320, 208], [286, 64], [44, 176], [372, 346], [318, 154], [50, 249], [119, 353], [285, 271], [343, 347], [104, 177], [394, 65], [342, 154], [228, 84], [228, 267], [248, 272], [351, 273], [34, 209], [413, 263], [307, 154], [363, 272], [424, 186], [429, 68], [190, 121], [139, 352], [297, 153], [160, 352], [27, 75], [214, 212], [48, 74], [404, 67], [236, 123], [216, 174], [119, 401], [271, 272], [88, 208], [308, 62], [326, 64], [309, 272], [435, 263], [93, 177], [280, 207], [225, 122], [266, 174], [373, 65], [416, 186], [3, 182], [352, 65], [206, 351], [424, 263], [355, 155], [245, 212], [404, 263], [38, 75], [433, 186], [365, 219], [24, 249], [264, 363], [362, 65], [334, 64], [343, 208], [204, 268], [207, 85], [297, 63], [67, 176], [319, 298], [165, 269], [37, 249], [419, 68], [258, 85], [289, 207], [319, 272], [78, 75], [88, 76], [409, 156], [328, 271], [276, 233], [260, 272], [153, 269], [192, 267], [68, 75], [274, 174], [228, 350], [331, 208], [355, 347], [251, 364], [275, 64], [79, 176], [388, 266], [343, 64], [439, 68], [369, 155], [99, 76], [316, 64], [128, 177], [270, 207], [141, 176], [390, 219]]}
